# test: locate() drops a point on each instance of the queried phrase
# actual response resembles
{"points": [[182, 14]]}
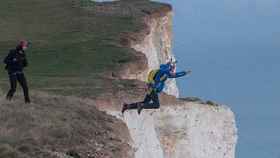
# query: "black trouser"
{"points": [[151, 101], [14, 77]]}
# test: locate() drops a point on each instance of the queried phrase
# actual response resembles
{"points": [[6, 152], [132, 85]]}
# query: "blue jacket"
{"points": [[162, 75]]}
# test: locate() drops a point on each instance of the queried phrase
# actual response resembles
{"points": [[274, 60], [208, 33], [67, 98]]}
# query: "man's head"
{"points": [[172, 66], [23, 45], [169, 67]]}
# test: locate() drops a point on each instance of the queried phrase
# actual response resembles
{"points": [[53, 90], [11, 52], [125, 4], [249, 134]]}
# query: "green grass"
{"points": [[70, 39]]}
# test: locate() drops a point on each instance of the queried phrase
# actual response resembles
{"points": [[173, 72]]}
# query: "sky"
{"points": [[233, 49]]}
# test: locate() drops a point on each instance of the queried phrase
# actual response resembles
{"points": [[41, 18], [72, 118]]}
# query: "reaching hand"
{"points": [[14, 59]]}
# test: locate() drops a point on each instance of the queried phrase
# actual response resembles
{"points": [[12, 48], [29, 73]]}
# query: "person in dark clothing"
{"points": [[15, 63], [151, 101], [156, 83]]}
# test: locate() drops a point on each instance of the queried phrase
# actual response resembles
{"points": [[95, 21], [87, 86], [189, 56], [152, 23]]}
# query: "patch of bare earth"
{"points": [[56, 126]]}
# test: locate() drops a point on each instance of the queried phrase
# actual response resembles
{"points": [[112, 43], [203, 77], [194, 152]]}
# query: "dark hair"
{"points": [[21, 44]]}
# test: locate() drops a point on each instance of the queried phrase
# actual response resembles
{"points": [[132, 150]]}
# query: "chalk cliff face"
{"points": [[179, 129], [196, 131], [182, 130]]}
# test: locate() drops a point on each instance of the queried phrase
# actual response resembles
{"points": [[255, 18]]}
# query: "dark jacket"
{"points": [[15, 61]]}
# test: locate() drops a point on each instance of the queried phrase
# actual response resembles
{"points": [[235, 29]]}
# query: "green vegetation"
{"points": [[73, 41], [69, 40]]}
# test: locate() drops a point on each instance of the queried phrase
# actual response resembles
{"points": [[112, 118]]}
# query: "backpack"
{"points": [[152, 75]]}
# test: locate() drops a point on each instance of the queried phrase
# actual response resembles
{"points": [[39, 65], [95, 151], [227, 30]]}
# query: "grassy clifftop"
{"points": [[76, 51], [76, 43]]}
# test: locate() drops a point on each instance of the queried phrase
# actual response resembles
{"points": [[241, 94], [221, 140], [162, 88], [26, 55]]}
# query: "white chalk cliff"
{"points": [[181, 129]]}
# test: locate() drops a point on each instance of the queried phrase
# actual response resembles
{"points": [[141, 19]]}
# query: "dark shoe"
{"points": [[27, 101], [125, 107], [139, 108], [9, 97]]}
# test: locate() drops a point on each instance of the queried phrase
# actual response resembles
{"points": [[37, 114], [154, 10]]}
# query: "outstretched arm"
{"points": [[179, 74]]}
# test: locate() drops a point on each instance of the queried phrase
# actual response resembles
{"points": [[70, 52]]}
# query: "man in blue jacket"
{"points": [[15, 63], [151, 100]]}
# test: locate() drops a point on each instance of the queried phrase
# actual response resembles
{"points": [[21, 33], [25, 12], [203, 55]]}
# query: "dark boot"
{"points": [[125, 107], [10, 94], [140, 107], [8, 97], [27, 101]]}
